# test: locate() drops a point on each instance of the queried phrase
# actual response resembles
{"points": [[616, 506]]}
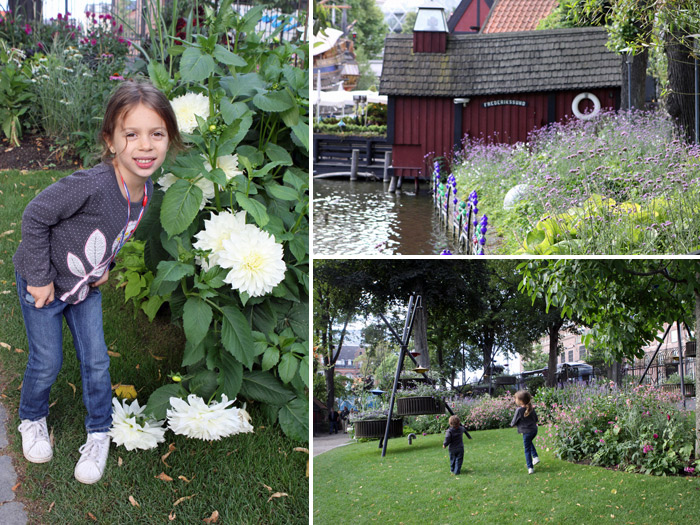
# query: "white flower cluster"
{"points": [[187, 107], [229, 165], [251, 254], [192, 418]]}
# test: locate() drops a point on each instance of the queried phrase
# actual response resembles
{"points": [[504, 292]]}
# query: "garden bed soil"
{"points": [[36, 152]]}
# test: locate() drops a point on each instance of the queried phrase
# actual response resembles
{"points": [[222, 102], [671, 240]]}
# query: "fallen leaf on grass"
{"points": [[301, 449], [5, 345], [213, 518], [72, 386], [53, 503], [19, 350], [120, 461], [133, 501], [113, 354], [183, 478], [92, 516], [172, 515], [156, 357], [8, 232], [277, 495], [184, 498], [163, 477], [16, 486], [268, 488], [171, 449]]}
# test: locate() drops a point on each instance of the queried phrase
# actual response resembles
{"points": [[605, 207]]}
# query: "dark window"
{"points": [[571, 355]]}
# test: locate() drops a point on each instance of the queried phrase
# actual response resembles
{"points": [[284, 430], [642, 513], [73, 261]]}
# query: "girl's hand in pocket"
{"points": [[101, 280], [42, 295]]}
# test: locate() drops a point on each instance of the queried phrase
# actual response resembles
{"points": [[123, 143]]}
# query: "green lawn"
{"points": [[230, 476], [413, 484]]}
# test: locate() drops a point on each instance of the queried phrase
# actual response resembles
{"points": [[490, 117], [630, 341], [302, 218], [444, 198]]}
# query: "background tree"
{"points": [[625, 303], [368, 24]]}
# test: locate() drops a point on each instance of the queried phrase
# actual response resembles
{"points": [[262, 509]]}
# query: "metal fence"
{"points": [[290, 14]]}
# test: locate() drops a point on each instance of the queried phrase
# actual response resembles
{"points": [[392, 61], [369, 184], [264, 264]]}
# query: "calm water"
{"points": [[363, 218]]}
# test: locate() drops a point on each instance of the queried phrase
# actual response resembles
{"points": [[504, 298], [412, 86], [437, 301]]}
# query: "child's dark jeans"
{"points": [[456, 458]]}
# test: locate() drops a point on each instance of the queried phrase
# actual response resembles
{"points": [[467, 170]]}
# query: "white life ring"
{"points": [[577, 101]]}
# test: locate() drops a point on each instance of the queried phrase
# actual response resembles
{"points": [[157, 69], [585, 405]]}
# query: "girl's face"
{"points": [[140, 143]]}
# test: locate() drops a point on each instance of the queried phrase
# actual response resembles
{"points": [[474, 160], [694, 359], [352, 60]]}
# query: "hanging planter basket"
{"points": [[374, 428], [690, 348], [416, 406]]}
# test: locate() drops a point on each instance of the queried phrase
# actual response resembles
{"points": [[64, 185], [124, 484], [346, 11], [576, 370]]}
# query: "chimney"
{"points": [[430, 30]]}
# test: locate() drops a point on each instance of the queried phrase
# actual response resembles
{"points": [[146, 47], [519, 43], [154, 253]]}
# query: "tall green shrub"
{"points": [[255, 347]]}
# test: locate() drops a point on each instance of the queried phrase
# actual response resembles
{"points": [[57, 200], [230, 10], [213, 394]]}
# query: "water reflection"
{"points": [[362, 218]]}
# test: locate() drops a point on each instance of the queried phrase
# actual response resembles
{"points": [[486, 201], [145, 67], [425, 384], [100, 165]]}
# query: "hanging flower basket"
{"points": [[690, 348], [375, 428], [415, 406]]}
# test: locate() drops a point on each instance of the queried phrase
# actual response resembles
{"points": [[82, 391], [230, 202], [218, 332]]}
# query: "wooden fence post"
{"points": [[353, 164], [387, 165]]}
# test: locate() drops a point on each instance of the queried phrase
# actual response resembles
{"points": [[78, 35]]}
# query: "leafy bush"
{"points": [[16, 96], [247, 164], [639, 429], [620, 183]]}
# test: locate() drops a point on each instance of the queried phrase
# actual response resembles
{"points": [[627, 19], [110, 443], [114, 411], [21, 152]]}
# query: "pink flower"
{"points": [[668, 416], [689, 470], [602, 440], [60, 16], [116, 77], [656, 436], [28, 29], [93, 41]]}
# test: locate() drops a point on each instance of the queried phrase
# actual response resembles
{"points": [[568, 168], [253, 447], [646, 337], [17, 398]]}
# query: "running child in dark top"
{"points": [[525, 419], [71, 233], [453, 440]]}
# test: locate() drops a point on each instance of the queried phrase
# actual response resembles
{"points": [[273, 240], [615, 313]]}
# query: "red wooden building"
{"points": [[444, 87]]}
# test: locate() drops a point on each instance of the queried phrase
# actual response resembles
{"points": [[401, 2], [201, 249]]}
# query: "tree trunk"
{"points": [[553, 351], [27, 9], [330, 387], [639, 80], [488, 359], [681, 78]]}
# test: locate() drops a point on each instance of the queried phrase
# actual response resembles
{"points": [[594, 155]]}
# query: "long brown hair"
{"points": [[524, 398], [128, 95]]}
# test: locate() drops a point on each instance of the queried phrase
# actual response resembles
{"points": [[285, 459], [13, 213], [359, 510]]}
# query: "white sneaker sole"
{"points": [[38, 460]]}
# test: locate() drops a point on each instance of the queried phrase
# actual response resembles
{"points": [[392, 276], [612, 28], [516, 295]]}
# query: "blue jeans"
{"points": [[530, 451], [456, 459], [45, 334]]}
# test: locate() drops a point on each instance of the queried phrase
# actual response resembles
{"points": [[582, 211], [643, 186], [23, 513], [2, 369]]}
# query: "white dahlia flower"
{"points": [[216, 229], [229, 165], [168, 179], [131, 429], [186, 107], [194, 418], [255, 261]]}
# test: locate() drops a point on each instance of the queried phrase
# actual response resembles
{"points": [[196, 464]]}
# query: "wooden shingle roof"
{"points": [[501, 63]]}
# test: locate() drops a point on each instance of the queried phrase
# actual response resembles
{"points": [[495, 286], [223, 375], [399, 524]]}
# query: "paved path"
{"points": [[325, 442], [11, 511]]}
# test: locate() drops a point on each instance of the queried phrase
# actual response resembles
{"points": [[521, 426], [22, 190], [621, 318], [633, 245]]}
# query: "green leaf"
{"points": [[196, 66], [225, 56], [159, 76], [159, 401], [284, 193], [196, 318], [273, 101], [232, 110], [294, 419], [243, 85], [270, 358], [152, 305], [288, 367], [254, 208], [174, 270], [193, 353], [278, 154], [236, 335], [266, 388], [231, 375], [301, 132], [180, 206], [304, 370], [290, 117]]}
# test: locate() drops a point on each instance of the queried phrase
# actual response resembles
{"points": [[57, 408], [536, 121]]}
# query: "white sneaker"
{"points": [[531, 471], [535, 460], [36, 445], [93, 457]]}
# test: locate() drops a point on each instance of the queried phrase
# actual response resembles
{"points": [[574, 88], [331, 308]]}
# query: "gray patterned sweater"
{"points": [[71, 231]]}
